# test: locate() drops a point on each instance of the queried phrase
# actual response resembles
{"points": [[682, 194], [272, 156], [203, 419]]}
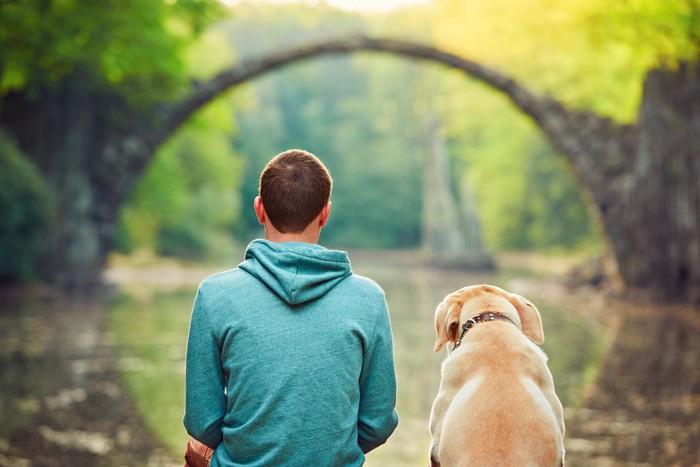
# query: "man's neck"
{"points": [[306, 236]]}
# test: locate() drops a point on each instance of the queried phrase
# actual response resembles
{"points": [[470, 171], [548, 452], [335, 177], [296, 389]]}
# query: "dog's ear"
{"points": [[446, 322], [529, 318]]}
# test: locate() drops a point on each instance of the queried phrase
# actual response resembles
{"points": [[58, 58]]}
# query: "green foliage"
{"points": [[25, 210], [555, 214], [132, 45], [657, 32], [527, 197], [187, 201], [592, 54], [380, 142]]}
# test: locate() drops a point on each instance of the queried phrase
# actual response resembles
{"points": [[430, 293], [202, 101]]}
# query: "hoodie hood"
{"points": [[297, 272]]}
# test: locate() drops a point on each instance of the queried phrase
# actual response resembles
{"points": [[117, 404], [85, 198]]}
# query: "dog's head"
{"points": [[459, 306]]}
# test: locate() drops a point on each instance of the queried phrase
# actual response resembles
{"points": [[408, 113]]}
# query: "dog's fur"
{"points": [[496, 405]]}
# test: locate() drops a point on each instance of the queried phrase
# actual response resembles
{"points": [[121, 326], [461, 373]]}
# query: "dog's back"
{"points": [[496, 405], [505, 412]]}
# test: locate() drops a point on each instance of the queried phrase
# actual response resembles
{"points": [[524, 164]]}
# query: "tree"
{"points": [[80, 85], [24, 204]]}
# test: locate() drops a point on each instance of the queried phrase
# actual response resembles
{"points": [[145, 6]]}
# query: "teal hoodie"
{"points": [[290, 361]]}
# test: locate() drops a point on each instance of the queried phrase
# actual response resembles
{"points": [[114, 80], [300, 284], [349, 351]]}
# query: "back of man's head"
{"points": [[294, 188]]}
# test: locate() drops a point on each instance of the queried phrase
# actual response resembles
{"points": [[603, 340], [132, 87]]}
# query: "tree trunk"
{"points": [[658, 242], [69, 132]]}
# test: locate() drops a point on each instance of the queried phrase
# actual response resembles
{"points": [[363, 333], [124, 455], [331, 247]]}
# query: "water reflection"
{"points": [[25, 369], [150, 328], [60, 401], [42, 353]]}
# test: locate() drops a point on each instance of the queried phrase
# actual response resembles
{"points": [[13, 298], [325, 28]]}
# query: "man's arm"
{"points": [[377, 419], [205, 399]]}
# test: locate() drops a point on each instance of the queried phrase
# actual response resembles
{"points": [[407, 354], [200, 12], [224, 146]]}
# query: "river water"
{"points": [[147, 326]]}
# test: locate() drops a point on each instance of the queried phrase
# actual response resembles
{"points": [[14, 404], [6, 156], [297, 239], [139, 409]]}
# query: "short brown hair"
{"points": [[294, 188]]}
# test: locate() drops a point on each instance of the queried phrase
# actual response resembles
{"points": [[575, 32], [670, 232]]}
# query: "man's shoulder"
{"points": [[225, 279], [363, 284]]}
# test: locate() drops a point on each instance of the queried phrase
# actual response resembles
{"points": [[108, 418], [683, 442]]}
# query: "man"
{"points": [[289, 356]]}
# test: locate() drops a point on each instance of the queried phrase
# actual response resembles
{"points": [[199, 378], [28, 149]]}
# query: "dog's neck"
{"points": [[482, 318]]}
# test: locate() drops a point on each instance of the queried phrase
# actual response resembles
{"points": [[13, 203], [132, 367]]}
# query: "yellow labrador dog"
{"points": [[496, 405]]}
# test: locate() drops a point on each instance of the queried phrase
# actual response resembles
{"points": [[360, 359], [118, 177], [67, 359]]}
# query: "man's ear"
{"points": [[325, 214], [259, 209]]}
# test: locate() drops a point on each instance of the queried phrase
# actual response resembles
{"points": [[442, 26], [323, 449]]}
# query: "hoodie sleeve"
{"points": [[377, 418], [205, 399]]}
